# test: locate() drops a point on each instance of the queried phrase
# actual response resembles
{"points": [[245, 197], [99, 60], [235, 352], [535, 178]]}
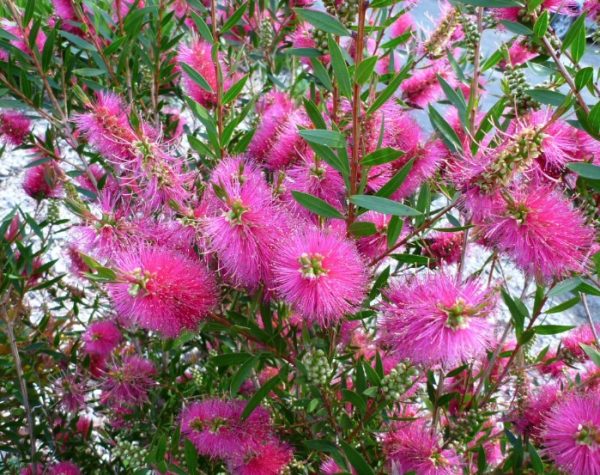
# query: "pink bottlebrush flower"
{"points": [[217, 430], [552, 364], [287, 146], [583, 334], [320, 274], [14, 127], [444, 248], [376, 244], [43, 181], [592, 8], [13, 232], [273, 111], [330, 467], [107, 128], [529, 419], [302, 38], [98, 173], [411, 447], [427, 159], [572, 435], [519, 53], [64, 468], [84, 426], [198, 56], [128, 383], [393, 128], [402, 24], [162, 290], [70, 391], [244, 224], [437, 320], [101, 338], [423, 87], [316, 178], [588, 148], [270, 458], [122, 7], [541, 231], [563, 7], [21, 40], [65, 10]]}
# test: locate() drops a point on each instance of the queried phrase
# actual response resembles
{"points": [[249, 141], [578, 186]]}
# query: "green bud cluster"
{"points": [[197, 375], [517, 85], [596, 36], [318, 368], [516, 156], [465, 427], [472, 36], [346, 12], [436, 45], [399, 380], [320, 38], [53, 212], [133, 457], [266, 33]]}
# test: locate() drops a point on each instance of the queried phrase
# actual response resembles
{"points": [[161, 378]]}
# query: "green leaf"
{"points": [[203, 28], [455, 97], [536, 460], [340, 69], [331, 158], [561, 307], [381, 156], [229, 359], [356, 459], [388, 92], [579, 42], [260, 395], [233, 19], [234, 90], [316, 205], [81, 44], [329, 138], [89, 72], [196, 77], [517, 312], [321, 73], [242, 374], [577, 26], [191, 457], [394, 229], [29, 11], [355, 399], [586, 170], [592, 353], [315, 116], [567, 285], [365, 69], [552, 329], [446, 132], [584, 77], [48, 49], [493, 60], [541, 25], [383, 205], [322, 21], [545, 96], [517, 28], [363, 228], [396, 181]]}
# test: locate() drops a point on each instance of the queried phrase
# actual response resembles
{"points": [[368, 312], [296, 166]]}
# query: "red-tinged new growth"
{"points": [[572, 435], [162, 290], [412, 448], [437, 320], [321, 275]]}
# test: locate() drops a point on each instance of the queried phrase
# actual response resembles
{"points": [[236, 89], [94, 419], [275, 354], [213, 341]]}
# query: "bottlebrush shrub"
{"points": [[292, 238]]}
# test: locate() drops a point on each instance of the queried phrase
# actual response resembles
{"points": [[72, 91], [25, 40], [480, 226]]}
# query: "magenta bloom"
{"points": [[582, 334], [444, 247], [540, 231], [270, 458], [572, 435], [424, 88], [64, 468], [402, 24], [43, 181], [14, 127], [437, 320], [244, 224], [128, 383], [71, 392], [217, 430], [410, 447], [162, 290], [21, 40], [537, 406], [198, 56], [273, 110], [321, 275], [101, 338], [376, 244]]}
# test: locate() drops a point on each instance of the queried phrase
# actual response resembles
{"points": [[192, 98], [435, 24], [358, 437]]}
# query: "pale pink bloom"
{"points": [[402, 24], [316, 178], [330, 467], [85, 182], [287, 146], [411, 447], [106, 127], [541, 231], [162, 290], [519, 53], [320, 274], [423, 87], [217, 430], [14, 127], [270, 458], [592, 7], [376, 244], [244, 224], [21, 40], [128, 383], [43, 181], [427, 159], [588, 148], [438, 320], [64, 468], [582, 334], [273, 110], [198, 56], [101, 338], [572, 435], [553, 364], [528, 419]]}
